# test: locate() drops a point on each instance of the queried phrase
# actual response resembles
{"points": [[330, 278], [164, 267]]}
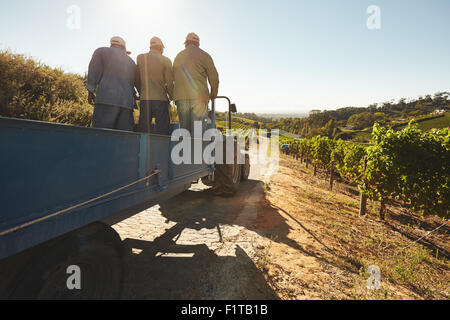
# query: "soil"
{"points": [[282, 237]]}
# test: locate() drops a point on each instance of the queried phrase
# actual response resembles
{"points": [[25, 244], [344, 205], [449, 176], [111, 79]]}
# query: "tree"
{"points": [[362, 120]]}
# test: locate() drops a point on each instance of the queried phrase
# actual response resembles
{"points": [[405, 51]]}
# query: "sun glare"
{"points": [[144, 9]]}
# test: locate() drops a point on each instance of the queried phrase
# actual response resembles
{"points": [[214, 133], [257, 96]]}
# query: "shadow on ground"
{"points": [[248, 209], [163, 269], [191, 272]]}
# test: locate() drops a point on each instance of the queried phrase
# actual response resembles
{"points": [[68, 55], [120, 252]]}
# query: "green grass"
{"points": [[249, 121], [288, 134], [286, 140], [365, 136], [438, 123], [362, 136], [234, 125]]}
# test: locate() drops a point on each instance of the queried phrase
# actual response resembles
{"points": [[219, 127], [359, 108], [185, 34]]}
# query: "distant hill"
{"points": [[432, 123], [278, 116], [353, 123]]}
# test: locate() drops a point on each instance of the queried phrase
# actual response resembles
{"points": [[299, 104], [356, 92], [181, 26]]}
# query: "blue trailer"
{"points": [[62, 187]]}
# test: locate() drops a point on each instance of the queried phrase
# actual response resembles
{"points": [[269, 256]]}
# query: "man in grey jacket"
{"points": [[111, 83]]}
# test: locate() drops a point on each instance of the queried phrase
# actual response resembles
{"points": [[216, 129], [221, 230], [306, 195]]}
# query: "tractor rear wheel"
{"points": [[245, 168], [228, 177]]}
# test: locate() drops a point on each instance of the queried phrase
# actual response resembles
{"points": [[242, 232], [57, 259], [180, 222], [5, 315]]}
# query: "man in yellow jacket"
{"points": [[193, 69], [155, 89]]}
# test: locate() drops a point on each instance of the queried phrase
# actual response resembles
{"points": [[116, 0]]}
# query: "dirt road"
{"points": [[287, 237], [198, 246]]}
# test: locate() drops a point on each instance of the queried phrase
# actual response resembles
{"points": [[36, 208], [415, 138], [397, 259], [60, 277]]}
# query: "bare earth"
{"points": [[287, 238]]}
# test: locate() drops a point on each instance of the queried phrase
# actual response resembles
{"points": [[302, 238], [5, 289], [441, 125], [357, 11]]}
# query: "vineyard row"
{"points": [[408, 165]]}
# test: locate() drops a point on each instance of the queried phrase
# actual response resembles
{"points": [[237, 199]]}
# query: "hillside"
{"points": [[31, 90], [329, 248], [238, 122], [433, 123], [356, 123]]}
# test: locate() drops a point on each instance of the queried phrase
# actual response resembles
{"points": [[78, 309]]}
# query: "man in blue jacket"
{"points": [[111, 83]]}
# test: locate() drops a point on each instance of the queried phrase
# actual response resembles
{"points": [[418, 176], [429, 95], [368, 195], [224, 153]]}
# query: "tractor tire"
{"points": [[42, 273], [227, 177], [245, 169]]}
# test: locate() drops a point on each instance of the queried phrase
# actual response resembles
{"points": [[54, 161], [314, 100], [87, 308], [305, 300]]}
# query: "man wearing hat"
{"points": [[111, 82], [156, 88], [193, 69]]}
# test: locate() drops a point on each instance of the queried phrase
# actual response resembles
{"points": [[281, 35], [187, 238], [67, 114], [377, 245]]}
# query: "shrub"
{"points": [[31, 90]]}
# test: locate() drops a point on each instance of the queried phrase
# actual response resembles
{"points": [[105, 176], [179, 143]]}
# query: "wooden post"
{"points": [[363, 202], [363, 205], [331, 176], [383, 209], [307, 157], [315, 170]]}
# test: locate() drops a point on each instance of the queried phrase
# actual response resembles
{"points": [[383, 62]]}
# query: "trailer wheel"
{"points": [[42, 272]]}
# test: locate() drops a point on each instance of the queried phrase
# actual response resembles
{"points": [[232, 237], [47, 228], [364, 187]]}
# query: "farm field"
{"points": [[242, 126], [438, 123]]}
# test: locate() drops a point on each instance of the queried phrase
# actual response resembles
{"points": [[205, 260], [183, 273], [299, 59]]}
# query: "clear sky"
{"points": [[272, 56]]}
